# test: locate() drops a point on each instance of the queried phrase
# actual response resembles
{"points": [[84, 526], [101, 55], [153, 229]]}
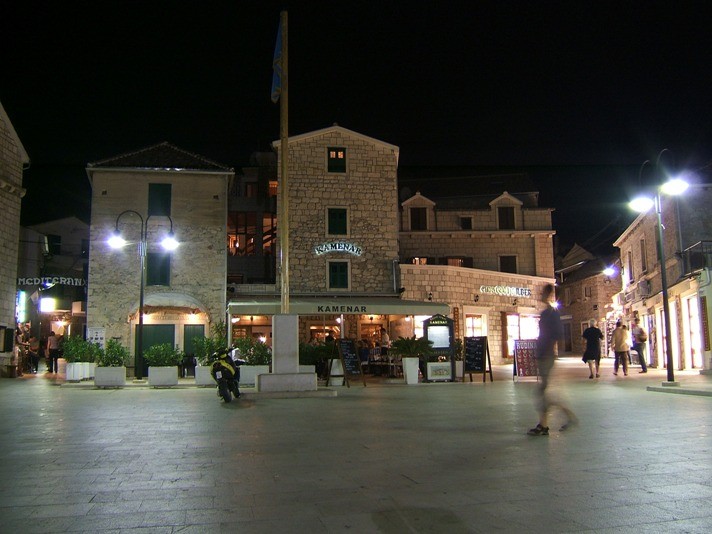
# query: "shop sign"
{"points": [[341, 309], [506, 291], [337, 246], [51, 281]]}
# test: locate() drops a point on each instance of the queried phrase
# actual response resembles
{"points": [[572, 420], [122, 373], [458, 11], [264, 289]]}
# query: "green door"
{"points": [[155, 334], [190, 332]]}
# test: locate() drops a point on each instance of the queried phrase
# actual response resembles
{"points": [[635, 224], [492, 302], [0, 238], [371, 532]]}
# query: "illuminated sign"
{"points": [[51, 281], [506, 291], [337, 246]]}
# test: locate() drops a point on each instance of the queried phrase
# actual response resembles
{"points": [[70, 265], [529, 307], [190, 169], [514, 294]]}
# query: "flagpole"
{"points": [[284, 190]]}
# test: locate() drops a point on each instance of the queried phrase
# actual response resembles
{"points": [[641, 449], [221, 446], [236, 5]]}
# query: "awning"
{"points": [[271, 305], [171, 300]]}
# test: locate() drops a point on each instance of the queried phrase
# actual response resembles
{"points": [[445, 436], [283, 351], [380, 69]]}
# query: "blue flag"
{"points": [[277, 67]]}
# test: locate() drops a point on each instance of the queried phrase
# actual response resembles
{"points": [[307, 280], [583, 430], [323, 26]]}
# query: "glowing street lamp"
{"points": [[117, 241], [675, 186]]}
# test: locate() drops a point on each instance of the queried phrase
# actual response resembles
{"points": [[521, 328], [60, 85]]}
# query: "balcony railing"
{"points": [[696, 258]]}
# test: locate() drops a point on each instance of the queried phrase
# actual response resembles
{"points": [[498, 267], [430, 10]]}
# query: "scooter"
{"points": [[226, 372]]}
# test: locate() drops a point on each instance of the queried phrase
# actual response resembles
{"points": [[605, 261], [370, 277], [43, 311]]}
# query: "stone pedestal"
{"points": [[285, 374]]}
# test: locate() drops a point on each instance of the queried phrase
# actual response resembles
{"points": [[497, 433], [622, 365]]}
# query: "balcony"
{"points": [[696, 258]]}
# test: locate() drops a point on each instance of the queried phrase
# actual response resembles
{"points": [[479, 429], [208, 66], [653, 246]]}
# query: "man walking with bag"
{"points": [[639, 340]]}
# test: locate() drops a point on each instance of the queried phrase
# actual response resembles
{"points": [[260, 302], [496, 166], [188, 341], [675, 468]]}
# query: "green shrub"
{"points": [[77, 349], [316, 354], [115, 355], [163, 355], [205, 347], [253, 351], [414, 347]]}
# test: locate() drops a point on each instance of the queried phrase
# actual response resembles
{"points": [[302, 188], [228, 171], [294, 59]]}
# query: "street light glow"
{"points": [[116, 241], [641, 204], [609, 271], [676, 186], [169, 242]]}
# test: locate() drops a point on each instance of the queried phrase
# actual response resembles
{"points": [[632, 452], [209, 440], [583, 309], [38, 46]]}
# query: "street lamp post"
{"points": [[117, 241], [675, 186]]}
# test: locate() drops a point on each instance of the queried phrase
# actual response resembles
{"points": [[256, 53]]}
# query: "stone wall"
{"points": [[460, 286], [11, 193], [368, 190], [198, 266]]}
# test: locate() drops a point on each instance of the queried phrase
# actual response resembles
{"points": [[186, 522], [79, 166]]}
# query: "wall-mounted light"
{"points": [[477, 298], [408, 318], [234, 319], [371, 318], [430, 296], [338, 320], [514, 302]]}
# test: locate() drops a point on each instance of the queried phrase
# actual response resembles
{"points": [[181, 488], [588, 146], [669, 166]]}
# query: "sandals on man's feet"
{"points": [[538, 430]]}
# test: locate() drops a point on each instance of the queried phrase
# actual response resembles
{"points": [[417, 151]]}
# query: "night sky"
{"points": [[577, 93]]}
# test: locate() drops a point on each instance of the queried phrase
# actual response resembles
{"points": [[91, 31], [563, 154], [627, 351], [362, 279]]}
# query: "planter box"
{"points": [[88, 370], [249, 372], [410, 370], [110, 377], [336, 370], [73, 372], [163, 376], [203, 376], [459, 367]]}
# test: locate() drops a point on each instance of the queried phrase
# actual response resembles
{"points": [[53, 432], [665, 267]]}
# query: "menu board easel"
{"points": [[525, 363], [350, 361], [475, 350]]}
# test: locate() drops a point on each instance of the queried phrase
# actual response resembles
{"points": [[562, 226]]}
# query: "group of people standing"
{"points": [[621, 342], [32, 350]]}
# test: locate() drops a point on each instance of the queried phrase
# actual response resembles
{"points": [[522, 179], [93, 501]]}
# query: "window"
{"points": [[337, 221], [338, 274], [506, 218], [643, 257], [242, 233], [418, 219], [631, 278], [273, 184], [159, 199], [475, 325], [587, 291], [54, 244], [457, 262], [466, 223], [508, 264], [269, 233], [336, 159], [567, 296], [158, 269], [419, 261]]}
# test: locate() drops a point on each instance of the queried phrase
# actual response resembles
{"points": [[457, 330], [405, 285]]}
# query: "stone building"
{"points": [[588, 290], [343, 243], [483, 245], [145, 195], [687, 239], [13, 160]]}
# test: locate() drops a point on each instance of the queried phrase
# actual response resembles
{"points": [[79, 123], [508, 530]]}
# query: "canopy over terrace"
{"points": [[271, 305]]}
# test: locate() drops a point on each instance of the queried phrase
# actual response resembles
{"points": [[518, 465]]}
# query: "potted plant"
{"points": [[111, 365], [258, 358], [163, 360], [205, 348], [414, 352], [75, 351]]}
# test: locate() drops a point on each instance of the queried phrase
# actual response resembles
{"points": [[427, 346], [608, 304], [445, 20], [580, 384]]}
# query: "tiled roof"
{"points": [[161, 156], [454, 187]]}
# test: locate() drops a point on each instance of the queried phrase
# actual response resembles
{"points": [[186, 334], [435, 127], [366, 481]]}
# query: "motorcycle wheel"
{"points": [[224, 391]]}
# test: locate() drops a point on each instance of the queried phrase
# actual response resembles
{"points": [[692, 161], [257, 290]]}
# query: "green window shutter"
{"points": [[159, 199], [158, 269], [338, 275], [337, 221]]}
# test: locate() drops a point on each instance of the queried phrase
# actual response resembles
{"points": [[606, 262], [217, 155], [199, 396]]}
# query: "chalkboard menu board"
{"points": [[525, 363], [350, 359], [476, 350]]}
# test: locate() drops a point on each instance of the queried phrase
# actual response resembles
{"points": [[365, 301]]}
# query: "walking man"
{"points": [[621, 348], [639, 339], [550, 332]]}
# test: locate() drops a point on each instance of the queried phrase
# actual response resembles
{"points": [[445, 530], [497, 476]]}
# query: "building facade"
{"points": [[145, 195], [366, 255], [588, 290], [687, 236], [13, 159]]}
